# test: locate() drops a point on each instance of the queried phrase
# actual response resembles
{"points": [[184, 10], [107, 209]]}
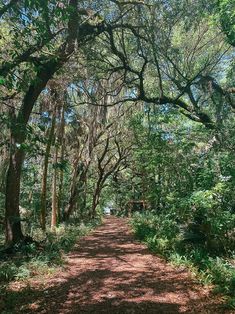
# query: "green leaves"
{"points": [[226, 11], [2, 80]]}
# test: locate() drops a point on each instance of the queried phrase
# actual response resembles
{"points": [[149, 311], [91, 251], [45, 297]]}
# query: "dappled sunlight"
{"points": [[110, 272], [117, 124]]}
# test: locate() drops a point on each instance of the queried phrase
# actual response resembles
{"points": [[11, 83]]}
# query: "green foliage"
{"points": [[226, 11], [32, 260], [160, 232], [180, 67], [209, 220], [8, 271], [164, 236]]}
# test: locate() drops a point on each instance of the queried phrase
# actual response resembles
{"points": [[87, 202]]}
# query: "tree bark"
{"points": [[62, 151], [12, 215], [54, 213], [96, 195], [73, 192], [78, 189], [16, 158], [45, 171]]}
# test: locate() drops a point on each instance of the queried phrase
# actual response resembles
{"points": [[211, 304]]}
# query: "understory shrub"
{"points": [[31, 259], [165, 235]]}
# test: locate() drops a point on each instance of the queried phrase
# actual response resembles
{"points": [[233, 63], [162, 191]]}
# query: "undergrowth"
{"points": [[164, 236], [32, 260]]}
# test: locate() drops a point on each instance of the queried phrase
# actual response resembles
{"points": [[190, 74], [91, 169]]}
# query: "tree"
{"points": [[46, 67], [104, 56]]}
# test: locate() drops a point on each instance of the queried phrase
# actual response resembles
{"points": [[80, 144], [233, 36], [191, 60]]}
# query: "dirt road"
{"points": [[110, 272]]}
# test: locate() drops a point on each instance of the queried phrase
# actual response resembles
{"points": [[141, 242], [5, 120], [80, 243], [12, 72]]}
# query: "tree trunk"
{"points": [[16, 158], [62, 144], [73, 192], [45, 171], [95, 203], [61, 185], [96, 195], [54, 213], [83, 192], [44, 74], [12, 214], [78, 189]]}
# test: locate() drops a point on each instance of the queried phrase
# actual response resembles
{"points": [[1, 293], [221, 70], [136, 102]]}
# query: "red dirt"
{"points": [[110, 272]]}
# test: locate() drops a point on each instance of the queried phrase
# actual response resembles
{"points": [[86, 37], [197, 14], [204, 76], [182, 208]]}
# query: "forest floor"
{"points": [[110, 272]]}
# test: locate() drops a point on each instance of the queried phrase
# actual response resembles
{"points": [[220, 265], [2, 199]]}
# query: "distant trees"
{"points": [[44, 39], [44, 69], [71, 73]]}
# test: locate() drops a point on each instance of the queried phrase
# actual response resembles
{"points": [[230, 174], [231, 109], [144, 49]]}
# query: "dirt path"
{"points": [[110, 272]]}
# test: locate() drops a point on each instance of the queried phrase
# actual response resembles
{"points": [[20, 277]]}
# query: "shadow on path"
{"points": [[109, 272]]}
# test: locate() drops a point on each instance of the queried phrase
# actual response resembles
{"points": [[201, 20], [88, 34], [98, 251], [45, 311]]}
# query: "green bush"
{"points": [[164, 235], [31, 260], [8, 271], [207, 220]]}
